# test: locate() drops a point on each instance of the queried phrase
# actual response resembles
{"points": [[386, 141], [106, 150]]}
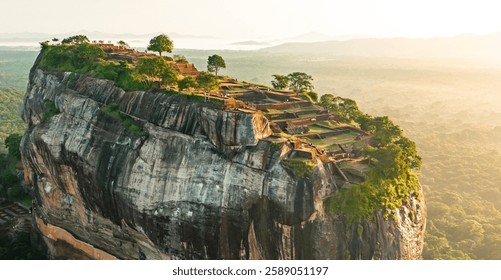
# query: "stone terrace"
{"points": [[310, 130]]}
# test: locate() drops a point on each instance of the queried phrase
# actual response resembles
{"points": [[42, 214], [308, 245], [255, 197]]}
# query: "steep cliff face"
{"points": [[199, 183]]}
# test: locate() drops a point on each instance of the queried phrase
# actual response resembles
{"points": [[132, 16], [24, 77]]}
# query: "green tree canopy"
{"points": [[12, 143], [280, 82], [385, 131], [157, 68], [161, 43], [345, 108], [186, 83], [389, 161], [390, 143], [299, 81], [76, 40], [207, 81], [214, 63], [123, 44]]}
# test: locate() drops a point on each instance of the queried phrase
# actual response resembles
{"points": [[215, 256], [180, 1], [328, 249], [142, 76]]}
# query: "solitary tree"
{"points": [[280, 82], [161, 43], [55, 40], [299, 81], [157, 68], [214, 63], [207, 81]]}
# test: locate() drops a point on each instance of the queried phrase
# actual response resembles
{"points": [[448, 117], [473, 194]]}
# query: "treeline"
{"points": [[10, 119]]}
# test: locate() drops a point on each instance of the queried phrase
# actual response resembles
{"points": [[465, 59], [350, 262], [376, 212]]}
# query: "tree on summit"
{"points": [[161, 43], [280, 82], [76, 40], [299, 81], [214, 63]]}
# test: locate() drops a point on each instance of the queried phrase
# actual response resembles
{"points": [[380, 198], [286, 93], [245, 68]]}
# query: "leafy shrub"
{"points": [[312, 96], [71, 58], [51, 110], [207, 81], [72, 80], [186, 83], [109, 70]]}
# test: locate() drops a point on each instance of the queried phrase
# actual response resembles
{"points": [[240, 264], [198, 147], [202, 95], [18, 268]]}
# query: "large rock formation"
{"points": [[200, 183]]}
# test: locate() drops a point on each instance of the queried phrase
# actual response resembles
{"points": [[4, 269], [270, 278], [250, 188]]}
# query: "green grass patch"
{"points": [[300, 109], [318, 129], [301, 167], [344, 138], [329, 123]]}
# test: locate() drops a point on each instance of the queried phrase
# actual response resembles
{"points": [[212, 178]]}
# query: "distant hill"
{"points": [[250, 43], [309, 37], [463, 46]]}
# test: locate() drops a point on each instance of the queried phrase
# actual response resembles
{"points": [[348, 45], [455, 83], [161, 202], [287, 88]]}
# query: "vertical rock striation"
{"points": [[199, 183]]}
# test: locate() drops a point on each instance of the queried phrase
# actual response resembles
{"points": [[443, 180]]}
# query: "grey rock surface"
{"points": [[201, 183]]}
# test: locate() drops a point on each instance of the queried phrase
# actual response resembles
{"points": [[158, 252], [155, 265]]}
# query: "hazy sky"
{"points": [[254, 19]]}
